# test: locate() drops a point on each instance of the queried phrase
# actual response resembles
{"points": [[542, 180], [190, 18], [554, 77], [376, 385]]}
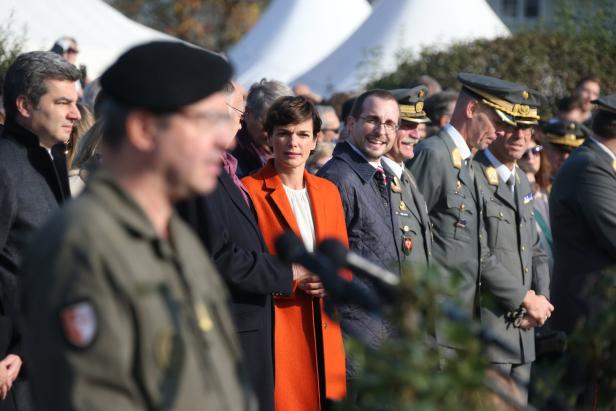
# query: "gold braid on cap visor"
{"points": [[570, 140], [515, 110], [414, 112]]}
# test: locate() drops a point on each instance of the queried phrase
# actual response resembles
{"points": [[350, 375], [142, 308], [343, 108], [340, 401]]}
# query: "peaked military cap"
{"points": [[606, 103], [163, 76], [514, 103], [411, 102], [565, 133]]}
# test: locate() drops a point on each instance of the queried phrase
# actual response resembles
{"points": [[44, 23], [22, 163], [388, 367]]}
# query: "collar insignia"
{"points": [[456, 158], [491, 175]]}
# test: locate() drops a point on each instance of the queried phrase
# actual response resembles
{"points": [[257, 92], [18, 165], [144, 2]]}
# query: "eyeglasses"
{"points": [[533, 150], [71, 50], [333, 130], [375, 123], [241, 112]]}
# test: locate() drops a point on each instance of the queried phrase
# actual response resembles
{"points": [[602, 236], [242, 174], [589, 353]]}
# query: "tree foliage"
{"points": [[582, 41], [214, 24], [10, 47]]}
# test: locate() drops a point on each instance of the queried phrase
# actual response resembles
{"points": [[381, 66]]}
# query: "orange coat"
{"points": [[295, 350]]}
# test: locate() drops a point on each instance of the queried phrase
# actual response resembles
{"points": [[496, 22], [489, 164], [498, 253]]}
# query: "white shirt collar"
{"points": [[393, 166], [458, 140], [604, 148], [503, 171], [375, 164]]}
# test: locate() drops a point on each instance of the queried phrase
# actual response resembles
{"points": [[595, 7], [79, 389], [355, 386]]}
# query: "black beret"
{"points": [[411, 102], [606, 103], [565, 133], [514, 103], [163, 76]]}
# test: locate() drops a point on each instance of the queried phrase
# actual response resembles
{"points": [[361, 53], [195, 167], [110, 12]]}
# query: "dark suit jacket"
{"points": [[32, 186], [231, 235], [583, 216], [513, 238]]}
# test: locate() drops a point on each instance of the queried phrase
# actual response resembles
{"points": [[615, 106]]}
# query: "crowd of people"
{"points": [[141, 216]]}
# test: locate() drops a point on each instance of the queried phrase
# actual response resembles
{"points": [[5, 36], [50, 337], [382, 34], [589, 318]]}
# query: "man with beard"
{"points": [[510, 225], [413, 230], [445, 176]]}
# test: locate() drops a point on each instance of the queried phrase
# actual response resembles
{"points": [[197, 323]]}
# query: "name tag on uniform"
{"points": [[528, 198]]}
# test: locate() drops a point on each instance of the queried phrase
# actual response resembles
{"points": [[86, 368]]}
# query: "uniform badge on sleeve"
{"points": [[456, 158], [79, 323]]}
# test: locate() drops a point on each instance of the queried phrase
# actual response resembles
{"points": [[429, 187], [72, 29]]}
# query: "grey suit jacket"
{"points": [[583, 217], [513, 239], [412, 220]]}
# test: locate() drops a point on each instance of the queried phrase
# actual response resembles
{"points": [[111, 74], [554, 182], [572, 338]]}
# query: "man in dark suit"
{"points": [[225, 223], [583, 218], [512, 237], [40, 102]]}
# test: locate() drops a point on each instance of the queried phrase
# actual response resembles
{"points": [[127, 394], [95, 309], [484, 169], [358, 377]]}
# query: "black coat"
{"points": [[32, 186], [231, 235]]}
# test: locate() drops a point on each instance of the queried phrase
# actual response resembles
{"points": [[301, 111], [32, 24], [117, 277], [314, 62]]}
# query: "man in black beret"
{"points": [[132, 313], [583, 218]]}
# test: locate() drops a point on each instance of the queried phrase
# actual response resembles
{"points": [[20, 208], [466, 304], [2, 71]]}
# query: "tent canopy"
{"points": [[102, 32], [294, 35], [397, 26]]}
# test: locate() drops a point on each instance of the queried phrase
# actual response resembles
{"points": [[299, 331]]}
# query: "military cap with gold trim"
{"points": [[163, 76], [565, 133], [514, 103], [606, 103], [411, 102]]}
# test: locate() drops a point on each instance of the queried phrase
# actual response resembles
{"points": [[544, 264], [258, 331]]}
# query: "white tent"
{"points": [[400, 26], [294, 35], [102, 32]]}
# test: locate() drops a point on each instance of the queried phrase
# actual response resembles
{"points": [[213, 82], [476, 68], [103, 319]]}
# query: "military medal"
{"points": [[456, 158], [407, 245], [395, 185], [403, 205], [203, 317], [491, 175]]}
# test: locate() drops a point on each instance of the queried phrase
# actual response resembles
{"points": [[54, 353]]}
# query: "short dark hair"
{"points": [[590, 77], [27, 76], [291, 110], [358, 105], [113, 117], [604, 124], [569, 103], [437, 105]]}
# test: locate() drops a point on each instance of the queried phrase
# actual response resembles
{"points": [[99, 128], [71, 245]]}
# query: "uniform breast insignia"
{"points": [[491, 175], [407, 245], [403, 206], [79, 323], [528, 198], [456, 158], [203, 317], [395, 185]]}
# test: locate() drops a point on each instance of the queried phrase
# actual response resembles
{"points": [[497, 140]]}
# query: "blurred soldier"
{"points": [[439, 109], [562, 137], [509, 222], [412, 228], [40, 102], [228, 228], [445, 176], [131, 311], [583, 220]]}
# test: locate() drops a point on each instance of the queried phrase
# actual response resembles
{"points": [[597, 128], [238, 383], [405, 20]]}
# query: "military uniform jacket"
{"points": [[121, 319], [413, 229], [513, 239], [583, 216], [455, 206]]}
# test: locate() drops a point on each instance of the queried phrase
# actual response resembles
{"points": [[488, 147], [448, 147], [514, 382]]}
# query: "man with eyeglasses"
{"points": [[511, 233], [444, 172], [330, 131], [357, 170], [132, 312]]}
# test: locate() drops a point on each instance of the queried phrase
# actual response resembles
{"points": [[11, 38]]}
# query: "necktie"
{"points": [[511, 185], [381, 176]]}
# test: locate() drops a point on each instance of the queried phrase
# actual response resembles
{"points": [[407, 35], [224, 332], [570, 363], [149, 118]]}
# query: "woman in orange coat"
{"points": [[308, 349]]}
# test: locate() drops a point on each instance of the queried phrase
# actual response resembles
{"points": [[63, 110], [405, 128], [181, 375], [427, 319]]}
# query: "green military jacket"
{"points": [[118, 318]]}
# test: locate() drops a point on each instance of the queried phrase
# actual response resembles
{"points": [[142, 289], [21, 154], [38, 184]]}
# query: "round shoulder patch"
{"points": [[79, 323]]}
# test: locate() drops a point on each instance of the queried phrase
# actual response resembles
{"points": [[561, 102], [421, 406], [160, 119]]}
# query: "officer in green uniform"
{"points": [[562, 138], [414, 235], [512, 237], [123, 309]]}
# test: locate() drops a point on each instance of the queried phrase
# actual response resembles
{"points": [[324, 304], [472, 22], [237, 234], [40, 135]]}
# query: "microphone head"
{"points": [[289, 248], [334, 249]]}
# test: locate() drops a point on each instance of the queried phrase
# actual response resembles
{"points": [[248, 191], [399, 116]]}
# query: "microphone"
{"points": [[342, 257], [292, 250]]}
